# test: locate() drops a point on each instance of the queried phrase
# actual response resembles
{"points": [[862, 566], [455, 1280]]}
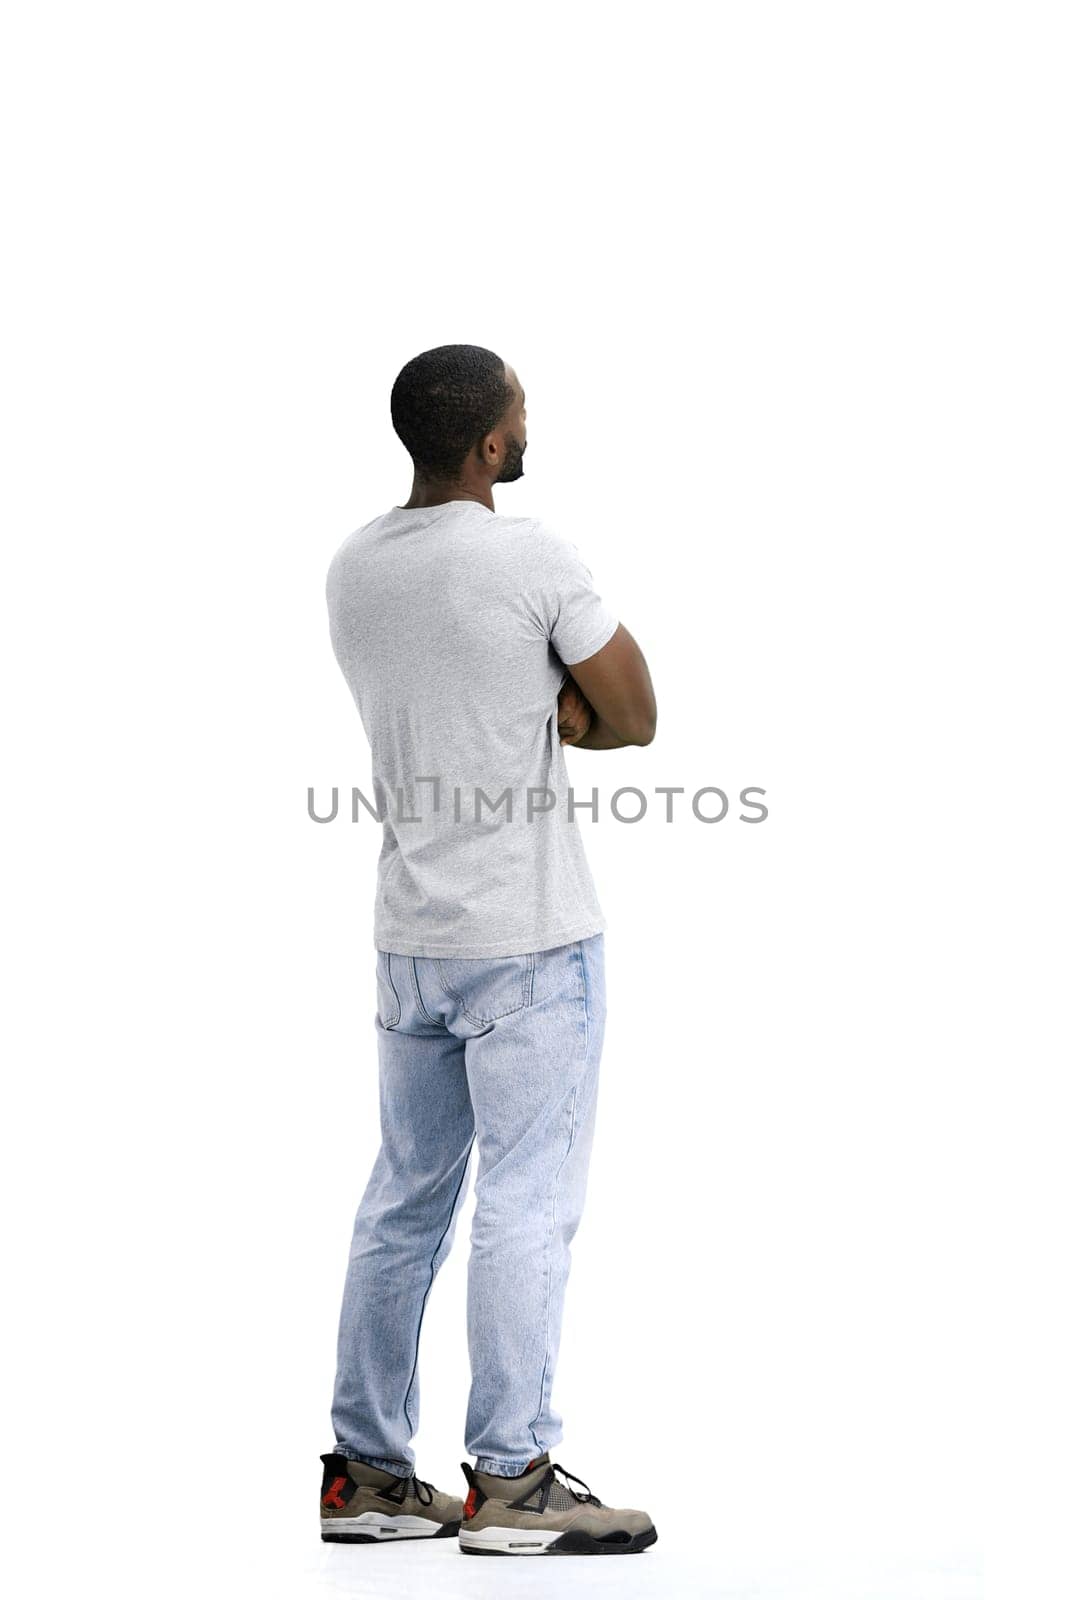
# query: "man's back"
{"points": [[452, 625]]}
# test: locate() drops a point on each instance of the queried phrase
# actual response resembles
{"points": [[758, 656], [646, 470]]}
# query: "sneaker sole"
{"points": [[354, 1530], [571, 1542]]}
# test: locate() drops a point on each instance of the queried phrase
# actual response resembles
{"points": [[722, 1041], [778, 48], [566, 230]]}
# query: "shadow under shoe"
{"points": [[360, 1504], [539, 1515]]}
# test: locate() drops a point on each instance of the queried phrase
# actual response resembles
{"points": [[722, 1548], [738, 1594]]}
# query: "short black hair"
{"points": [[444, 401]]}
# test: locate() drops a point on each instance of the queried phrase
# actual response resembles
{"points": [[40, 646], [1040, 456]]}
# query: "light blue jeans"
{"points": [[505, 1053]]}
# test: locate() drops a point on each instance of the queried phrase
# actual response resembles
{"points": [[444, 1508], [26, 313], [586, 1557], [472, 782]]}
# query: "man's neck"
{"points": [[423, 495]]}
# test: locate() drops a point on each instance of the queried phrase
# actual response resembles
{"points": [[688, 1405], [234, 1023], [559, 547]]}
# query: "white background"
{"points": [[784, 286]]}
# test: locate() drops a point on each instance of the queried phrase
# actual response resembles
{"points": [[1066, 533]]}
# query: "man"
{"points": [[476, 647]]}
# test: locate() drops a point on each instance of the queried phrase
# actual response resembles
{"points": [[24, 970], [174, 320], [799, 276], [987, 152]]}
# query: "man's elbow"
{"points": [[643, 730]]}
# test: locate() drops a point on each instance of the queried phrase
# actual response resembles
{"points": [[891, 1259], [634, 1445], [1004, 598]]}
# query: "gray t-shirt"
{"points": [[450, 624]]}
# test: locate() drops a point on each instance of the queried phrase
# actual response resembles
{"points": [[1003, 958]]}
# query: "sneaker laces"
{"points": [[418, 1485], [588, 1498]]}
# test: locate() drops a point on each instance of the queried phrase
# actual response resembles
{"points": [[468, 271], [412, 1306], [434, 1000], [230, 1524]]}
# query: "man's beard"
{"points": [[512, 467]]}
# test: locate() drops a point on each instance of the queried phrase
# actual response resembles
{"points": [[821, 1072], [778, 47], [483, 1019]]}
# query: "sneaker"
{"points": [[360, 1504], [538, 1515]]}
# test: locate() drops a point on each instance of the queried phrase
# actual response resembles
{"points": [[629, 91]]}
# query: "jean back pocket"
{"points": [[488, 988]]}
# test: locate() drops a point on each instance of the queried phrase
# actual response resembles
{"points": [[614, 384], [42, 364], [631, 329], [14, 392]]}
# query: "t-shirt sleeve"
{"points": [[570, 609]]}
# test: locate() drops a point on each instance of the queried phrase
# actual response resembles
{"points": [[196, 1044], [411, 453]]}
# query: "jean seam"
{"points": [[548, 1251], [433, 1273], [585, 997], [435, 1022], [555, 1194]]}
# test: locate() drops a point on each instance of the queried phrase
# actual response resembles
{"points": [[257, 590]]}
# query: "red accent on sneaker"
{"points": [[332, 1497], [529, 1464], [469, 1507]]}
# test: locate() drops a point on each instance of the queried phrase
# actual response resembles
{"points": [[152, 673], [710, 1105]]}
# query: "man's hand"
{"points": [[616, 684], [575, 715]]}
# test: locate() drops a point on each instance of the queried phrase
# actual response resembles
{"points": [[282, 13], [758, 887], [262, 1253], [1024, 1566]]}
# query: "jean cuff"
{"points": [[402, 1469], [500, 1469]]}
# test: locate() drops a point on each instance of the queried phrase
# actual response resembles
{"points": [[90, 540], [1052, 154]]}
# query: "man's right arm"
{"points": [[617, 684]]}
